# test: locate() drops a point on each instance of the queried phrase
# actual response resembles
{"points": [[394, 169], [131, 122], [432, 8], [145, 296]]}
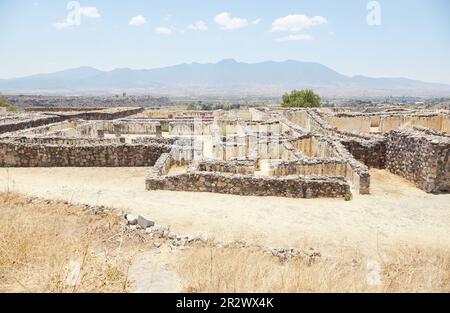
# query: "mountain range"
{"points": [[225, 78]]}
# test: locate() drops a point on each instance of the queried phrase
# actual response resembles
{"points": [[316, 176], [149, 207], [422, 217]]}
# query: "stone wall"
{"points": [[162, 165], [370, 152], [420, 157], [351, 123], [28, 123], [37, 155], [236, 167], [66, 140], [250, 185], [105, 114], [306, 167], [199, 127], [136, 127], [433, 121], [368, 149], [149, 140], [357, 173]]}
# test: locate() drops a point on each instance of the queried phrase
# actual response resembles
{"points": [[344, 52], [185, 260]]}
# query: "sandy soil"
{"points": [[152, 271], [395, 212]]}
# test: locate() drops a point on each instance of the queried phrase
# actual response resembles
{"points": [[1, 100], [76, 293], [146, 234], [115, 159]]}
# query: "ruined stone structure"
{"points": [[421, 156], [262, 152]]}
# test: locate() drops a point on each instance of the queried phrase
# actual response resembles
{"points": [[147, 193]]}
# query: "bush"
{"points": [[5, 104], [301, 99], [347, 197], [191, 107]]}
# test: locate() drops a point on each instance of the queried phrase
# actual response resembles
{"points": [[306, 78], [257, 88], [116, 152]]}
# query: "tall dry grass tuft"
{"points": [[53, 247], [235, 269]]}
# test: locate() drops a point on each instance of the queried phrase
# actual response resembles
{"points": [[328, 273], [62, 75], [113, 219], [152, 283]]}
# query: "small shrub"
{"points": [[301, 99], [347, 197]]}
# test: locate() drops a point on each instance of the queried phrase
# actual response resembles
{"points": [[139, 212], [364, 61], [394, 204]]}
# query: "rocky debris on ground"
{"points": [[144, 223], [131, 219], [287, 254], [163, 235], [92, 209]]}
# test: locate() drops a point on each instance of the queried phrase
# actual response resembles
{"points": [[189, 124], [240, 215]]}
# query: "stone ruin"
{"points": [[299, 153]]}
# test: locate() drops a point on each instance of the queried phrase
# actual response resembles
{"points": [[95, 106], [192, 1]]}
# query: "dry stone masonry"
{"points": [[294, 153]]}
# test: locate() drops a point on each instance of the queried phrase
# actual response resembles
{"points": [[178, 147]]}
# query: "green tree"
{"points": [[5, 104], [191, 107], [301, 99]]}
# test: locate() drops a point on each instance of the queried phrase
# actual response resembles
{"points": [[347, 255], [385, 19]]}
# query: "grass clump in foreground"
{"points": [[212, 269], [54, 247]]}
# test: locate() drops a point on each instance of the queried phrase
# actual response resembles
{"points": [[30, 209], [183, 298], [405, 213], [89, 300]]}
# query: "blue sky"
{"points": [[412, 41]]}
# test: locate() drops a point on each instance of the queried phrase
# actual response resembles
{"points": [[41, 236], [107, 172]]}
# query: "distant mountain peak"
{"points": [[227, 61], [226, 77]]}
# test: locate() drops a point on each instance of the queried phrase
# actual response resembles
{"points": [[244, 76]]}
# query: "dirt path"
{"points": [[150, 272], [395, 212]]}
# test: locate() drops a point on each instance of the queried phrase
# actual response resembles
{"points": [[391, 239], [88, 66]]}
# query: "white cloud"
{"points": [[225, 21], [198, 26], [137, 20], [163, 30], [90, 12], [297, 22], [61, 25], [257, 21], [295, 38]]}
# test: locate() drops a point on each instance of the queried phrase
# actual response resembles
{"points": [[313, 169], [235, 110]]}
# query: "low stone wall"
{"points": [[305, 167], [24, 124], [181, 128], [368, 149], [350, 123], [420, 157], [370, 152], [162, 165], [291, 153], [67, 141], [433, 121], [357, 173], [105, 114], [149, 140], [60, 109], [250, 185], [112, 155], [131, 127], [236, 167]]}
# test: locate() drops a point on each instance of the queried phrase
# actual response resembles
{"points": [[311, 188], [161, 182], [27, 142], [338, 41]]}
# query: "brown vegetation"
{"points": [[212, 269], [55, 247]]}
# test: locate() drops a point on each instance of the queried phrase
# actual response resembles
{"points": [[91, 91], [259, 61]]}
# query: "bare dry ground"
{"points": [[395, 213]]}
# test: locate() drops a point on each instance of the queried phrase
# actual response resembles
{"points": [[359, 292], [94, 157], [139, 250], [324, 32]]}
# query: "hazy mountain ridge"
{"points": [[227, 77]]}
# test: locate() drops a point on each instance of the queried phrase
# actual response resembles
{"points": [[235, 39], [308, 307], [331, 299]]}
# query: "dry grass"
{"points": [[212, 269], [53, 247], [43, 244]]}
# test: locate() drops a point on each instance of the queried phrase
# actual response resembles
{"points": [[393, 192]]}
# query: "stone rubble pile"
{"points": [[139, 223]]}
